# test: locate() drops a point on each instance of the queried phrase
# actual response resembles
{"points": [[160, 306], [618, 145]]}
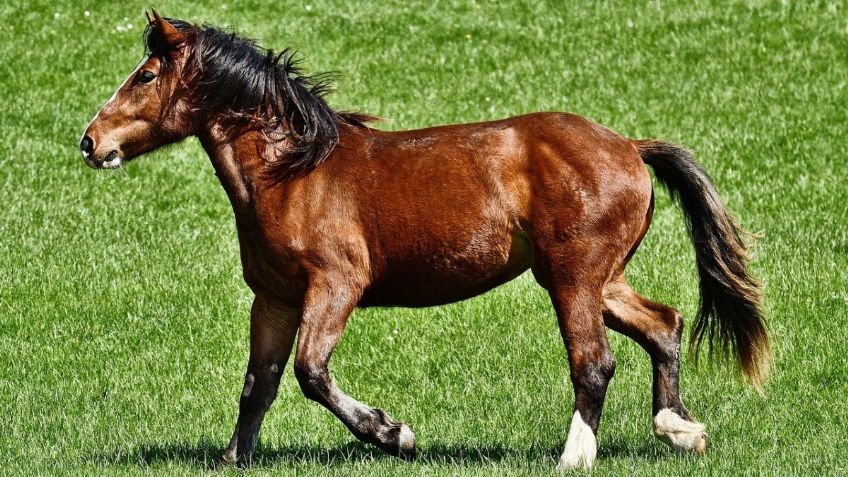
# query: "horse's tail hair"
{"points": [[730, 315]]}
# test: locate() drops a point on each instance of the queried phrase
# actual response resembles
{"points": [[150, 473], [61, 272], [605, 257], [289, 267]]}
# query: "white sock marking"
{"points": [[580, 446], [406, 440], [679, 433]]}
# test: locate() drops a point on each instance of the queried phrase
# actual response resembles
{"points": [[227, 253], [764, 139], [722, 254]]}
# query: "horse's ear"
{"points": [[170, 34]]}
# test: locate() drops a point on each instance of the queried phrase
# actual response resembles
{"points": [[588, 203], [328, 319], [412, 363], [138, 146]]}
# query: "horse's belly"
{"points": [[450, 276]]}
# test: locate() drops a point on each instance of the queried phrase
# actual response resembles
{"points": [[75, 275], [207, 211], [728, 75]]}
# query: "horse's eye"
{"points": [[146, 77]]}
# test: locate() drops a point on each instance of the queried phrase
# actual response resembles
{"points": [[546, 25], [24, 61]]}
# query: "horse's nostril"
{"points": [[87, 145]]}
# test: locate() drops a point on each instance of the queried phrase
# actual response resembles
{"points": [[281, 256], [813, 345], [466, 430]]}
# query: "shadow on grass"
{"points": [[643, 449], [204, 454]]}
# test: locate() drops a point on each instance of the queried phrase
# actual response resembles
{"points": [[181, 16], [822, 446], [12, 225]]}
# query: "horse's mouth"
{"points": [[113, 160]]}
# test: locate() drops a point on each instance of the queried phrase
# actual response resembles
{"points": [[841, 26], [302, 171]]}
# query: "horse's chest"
{"points": [[270, 266]]}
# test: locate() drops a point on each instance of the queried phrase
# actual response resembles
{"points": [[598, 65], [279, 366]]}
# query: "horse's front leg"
{"points": [[272, 331], [327, 307]]}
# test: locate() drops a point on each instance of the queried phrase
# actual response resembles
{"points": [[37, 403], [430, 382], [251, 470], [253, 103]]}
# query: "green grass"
{"points": [[123, 316]]}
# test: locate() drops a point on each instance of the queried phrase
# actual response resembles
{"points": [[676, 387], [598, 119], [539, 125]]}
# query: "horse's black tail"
{"points": [[730, 316]]}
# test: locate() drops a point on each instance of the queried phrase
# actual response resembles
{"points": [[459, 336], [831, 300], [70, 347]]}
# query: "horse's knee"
{"points": [[260, 388], [313, 380]]}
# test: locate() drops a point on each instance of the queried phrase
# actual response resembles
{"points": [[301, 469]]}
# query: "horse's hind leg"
{"points": [[574, 285], [657, 328], [325, 313]]}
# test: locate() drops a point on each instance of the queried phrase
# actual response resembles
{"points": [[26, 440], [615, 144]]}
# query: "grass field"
{"points": [[123, 315]]}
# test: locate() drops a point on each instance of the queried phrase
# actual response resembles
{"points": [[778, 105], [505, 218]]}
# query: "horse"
{"points": [[333, 214]]}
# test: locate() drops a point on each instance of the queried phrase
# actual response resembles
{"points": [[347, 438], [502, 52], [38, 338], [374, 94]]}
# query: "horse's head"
{"points": [[198, 79], [148, 110]]}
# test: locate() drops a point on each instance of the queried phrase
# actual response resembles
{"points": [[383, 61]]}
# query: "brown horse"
{"points": [[332, 214]]}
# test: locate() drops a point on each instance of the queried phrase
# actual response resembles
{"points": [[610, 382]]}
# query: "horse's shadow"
{"points": [[204, 454]]}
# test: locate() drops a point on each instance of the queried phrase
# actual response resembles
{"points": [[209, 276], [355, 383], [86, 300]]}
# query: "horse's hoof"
{"points": [[222, 462], [406, 443], [700, 446], [563, 467], [680, 434]]}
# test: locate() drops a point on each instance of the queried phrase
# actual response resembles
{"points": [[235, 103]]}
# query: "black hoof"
{"points": [[222, 462]]}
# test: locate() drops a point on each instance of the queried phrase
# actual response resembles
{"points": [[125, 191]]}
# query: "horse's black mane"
{"points": [[233, 77]]}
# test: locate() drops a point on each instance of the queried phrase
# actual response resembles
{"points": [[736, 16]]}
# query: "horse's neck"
{"points": [[236, 165], [240, 164]]}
